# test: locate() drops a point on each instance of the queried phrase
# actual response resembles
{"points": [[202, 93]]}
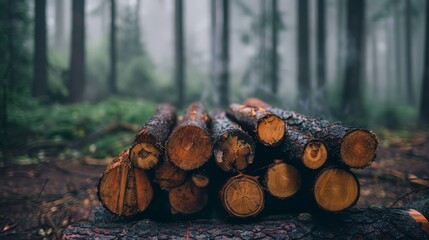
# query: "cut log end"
{"points": [[243, 196], [358, 148], [200, 180], [189, 147], [187, 198], [336, 190], [125, 190], [234, 152], [315, 155], [169, 176], [282, 180], [144, 155], [271, 130]]}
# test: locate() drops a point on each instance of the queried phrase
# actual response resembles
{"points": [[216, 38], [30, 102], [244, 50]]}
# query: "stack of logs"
{"points": [[253, 158]]}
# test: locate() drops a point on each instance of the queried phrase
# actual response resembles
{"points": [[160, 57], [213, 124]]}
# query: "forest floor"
{"points": [[38, 201]]}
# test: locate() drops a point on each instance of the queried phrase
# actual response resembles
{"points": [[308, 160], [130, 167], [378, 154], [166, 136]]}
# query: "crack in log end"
{"points": [[271, 130], [234, 152], [282, 180], [144, 155], [189, 147], [169, 176], [188, 198], [358, 148], [243, 196], [315, 154], [336, 190]]}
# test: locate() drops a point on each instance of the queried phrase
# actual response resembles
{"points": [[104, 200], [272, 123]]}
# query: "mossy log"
{"points": [[148, 146], [123, 189], [233, 148], [370, 223], [189, 145], [267, 127]]}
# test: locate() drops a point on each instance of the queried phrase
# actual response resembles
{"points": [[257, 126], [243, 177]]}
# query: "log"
{"points": [[301, 147], [168, 176], [234, 149], [187, 198], [370, 223], [123, 189], [189, 145], [242, 196], [149, 141], [282, 180], [267, 127], [352, 146], [336, 189], [200, 180]]}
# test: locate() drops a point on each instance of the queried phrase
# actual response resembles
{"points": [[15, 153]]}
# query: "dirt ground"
{"points": [[39, 201]]}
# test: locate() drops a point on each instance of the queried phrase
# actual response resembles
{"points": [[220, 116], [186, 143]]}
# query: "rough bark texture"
{"points": [[189, 145], [149, 143], [242, 196], [234, 149], [124, 190], [267, 127], [371, 223], [354, 147]]}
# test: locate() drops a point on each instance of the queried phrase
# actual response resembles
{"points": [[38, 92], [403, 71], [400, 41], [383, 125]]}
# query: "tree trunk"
{"points": [[303, 56], [274, 40], [112, 78], [77, 60], [266, 127], [376, 81], [149, 143], [123, 189], [424, 103], [59, 24], [40, 83], [321, 42], [398, 50], [221, 51], [179, 46], [352, 88], [189, 145], [340, 39], [409, 52], [234, 149], [371, 223]]}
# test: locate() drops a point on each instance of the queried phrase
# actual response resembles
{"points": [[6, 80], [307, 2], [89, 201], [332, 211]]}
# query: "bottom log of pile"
{"points": [[371, 223]]}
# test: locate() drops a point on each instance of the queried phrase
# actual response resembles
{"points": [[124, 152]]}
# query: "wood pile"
{"points": [[251, 159]]}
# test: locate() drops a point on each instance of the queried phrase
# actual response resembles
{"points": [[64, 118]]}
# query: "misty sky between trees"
{"points": [[145, 51]]}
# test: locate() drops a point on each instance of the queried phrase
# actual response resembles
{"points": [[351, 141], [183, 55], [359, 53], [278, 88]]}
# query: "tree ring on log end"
{"points": [[189, 147], [187, 198], [358, 148], [144, 155], [336, 190], [315, 154], [243, 196], [169, 176], [282, 180], [271, 130], [234, 151]]}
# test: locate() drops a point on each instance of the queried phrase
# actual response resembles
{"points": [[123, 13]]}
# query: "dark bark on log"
{"points": [[234, 149], [189, 145], [354, 147], [266, 127], [149, 143], [371, 223]]}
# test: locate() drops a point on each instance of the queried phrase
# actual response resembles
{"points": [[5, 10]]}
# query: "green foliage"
{"points": [[136, 79]]}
